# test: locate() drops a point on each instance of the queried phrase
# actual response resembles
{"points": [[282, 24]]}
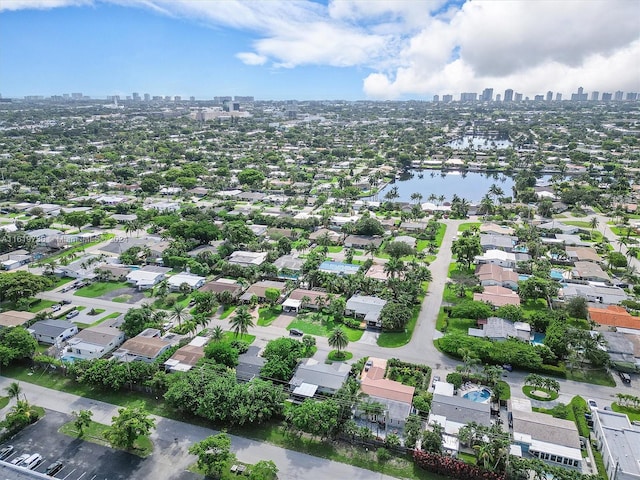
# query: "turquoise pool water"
{"points": [[480, 396], [339, 267]]}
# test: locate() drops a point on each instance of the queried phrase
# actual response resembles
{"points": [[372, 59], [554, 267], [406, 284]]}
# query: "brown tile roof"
{"points": [[189, 354], [614, 316], [14, 318], [373, 383], [498, 296], [300, 293], [217, 287]]}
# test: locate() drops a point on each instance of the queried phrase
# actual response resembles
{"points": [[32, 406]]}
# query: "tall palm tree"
{"points": [[393, 267], [178, 313], [338, 339], [241, 321], [217, 334]]}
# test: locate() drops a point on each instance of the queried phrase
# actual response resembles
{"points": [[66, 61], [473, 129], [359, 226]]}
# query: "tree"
{"points": [[214, 454], [137, 319], [22, 284], [19, 342], [399, 249], [395, 316], [338, 339], [272, 295], [77, 219], [466, 248], [264, 470], [128, 425], [179, 313], [432, 439], [13, 391], [393, 267], [412, 429], [577, 307], [314, 417], [81, 420], [536, 287], [251, 177], [217, 334], [223, 353], [241, 321]]}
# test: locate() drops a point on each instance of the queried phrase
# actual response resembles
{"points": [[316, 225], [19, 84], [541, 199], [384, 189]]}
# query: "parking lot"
{"points": [[83, 460]]}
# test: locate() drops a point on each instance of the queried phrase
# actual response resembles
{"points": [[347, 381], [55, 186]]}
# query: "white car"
{"points": [[592, 404]]}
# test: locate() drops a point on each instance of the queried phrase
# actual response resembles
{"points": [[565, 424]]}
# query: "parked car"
{"points": [[436, 378], [592, 404], [55, 308], [295, 332], [70, 315], [18, 460], [65, 302], [368, 365], [625, 377], [32, 462], [507, 367], [6, 451], [54, 468]]}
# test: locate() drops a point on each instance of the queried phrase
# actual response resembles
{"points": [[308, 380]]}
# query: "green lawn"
{"points": [[339, 356], [398, 339], [266, 315], [178, 299], [596, 377], [529, 307], [41, 305], [441, 322], [121, 299], [4, 401], [228, 310], [630, 412], [623, 231], [322, 325], [60, 282], [467, 226], [245, 337], [460, 325], [528, 391], [440, 235], [334, 249], [99, 321], [98, 289], [94, 433], [578, 223]]}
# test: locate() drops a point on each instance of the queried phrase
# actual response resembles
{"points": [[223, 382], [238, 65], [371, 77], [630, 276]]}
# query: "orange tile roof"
{"points": [[614, 316], [373, 383]]}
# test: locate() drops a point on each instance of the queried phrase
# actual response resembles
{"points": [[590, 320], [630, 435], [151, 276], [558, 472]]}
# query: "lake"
{"points": [[469, 185]]}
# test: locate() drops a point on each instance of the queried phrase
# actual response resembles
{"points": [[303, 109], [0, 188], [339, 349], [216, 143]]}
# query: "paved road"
{"points": [[172, 439]]}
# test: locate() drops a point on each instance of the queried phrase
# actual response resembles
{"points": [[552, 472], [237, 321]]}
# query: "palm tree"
{"points": [[14, 390], [416, 197], [178, 313], [371, 249], [338, 339], [217, 334], [241, 321], [393, 267]]}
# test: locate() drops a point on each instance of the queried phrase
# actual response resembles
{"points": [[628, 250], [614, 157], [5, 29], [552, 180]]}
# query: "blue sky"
{"points": [[342, 49]]}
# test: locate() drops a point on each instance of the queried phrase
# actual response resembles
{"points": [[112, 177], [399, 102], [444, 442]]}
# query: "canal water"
{"points": [[469, 185]]}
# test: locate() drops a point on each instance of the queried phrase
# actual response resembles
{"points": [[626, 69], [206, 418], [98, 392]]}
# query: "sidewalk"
{"points": [[172, 440]]}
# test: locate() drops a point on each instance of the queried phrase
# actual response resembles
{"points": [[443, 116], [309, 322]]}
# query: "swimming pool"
{"points": [[339, 267], [556, 275], [480, 396], [538, 339]]}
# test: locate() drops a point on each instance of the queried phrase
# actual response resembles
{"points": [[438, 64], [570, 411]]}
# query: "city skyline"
{"points": [[305, 50]]}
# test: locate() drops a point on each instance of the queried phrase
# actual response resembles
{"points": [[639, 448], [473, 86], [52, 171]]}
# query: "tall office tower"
{"points": [[517, 97], [147, 97], [436, 98], [447, 98], [594, 96], [136, 96], [167, 98], [236, 106], [487, 95], [498, 98], [549, 96], [76, 96], [192, 99], [632, 96], [243, 98], [508, 95], [606, 97], [538, 98], [177, 98], [468, 97], [558, 97], [156, 98], [618, 96]]}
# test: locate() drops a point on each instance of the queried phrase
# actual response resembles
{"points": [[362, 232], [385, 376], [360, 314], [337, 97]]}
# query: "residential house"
{"points": [[362, 241], [622, 347], [367, 308], [187, 356], [593, 293], [147, 276], [491, 241], [377, 271], [562, 227], [124, 217], [556, 443], [94, 342], [258, 230], [612, 316], [15, 259], [247, 259], [499, 329], [144, 347], [211, 248], [618, 442], [83, 268], [53, 332], [163, 207], [495, 229], [582, 254], [318, 236], [396, 397], [410, 241], [119, 245], [114, 273], [223, 285], [338, 268], [502, 258], [289, 266], [497, 296], [277, 233], [413, 226], [47, 237], [313, 377], [249, 364], [14, 318], [570, 240], [490, 274], [295, 300], [176, 281], [589, 271], [258, 290], [156, 250]]}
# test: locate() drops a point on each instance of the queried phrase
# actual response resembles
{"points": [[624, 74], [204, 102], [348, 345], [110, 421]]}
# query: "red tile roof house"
{"points": [[396, 397]]}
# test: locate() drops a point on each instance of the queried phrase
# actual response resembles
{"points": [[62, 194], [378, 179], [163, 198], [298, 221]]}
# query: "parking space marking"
{"points": [[93, 478], [83, 474], [64, 478]]}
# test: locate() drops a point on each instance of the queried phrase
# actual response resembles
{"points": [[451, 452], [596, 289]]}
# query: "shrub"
{"points": [[455, 379]]}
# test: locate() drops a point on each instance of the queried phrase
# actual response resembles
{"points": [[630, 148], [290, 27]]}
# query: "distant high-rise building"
{"points": [[508, 95], [192, 99], [580, 96], [538, 98], [77, 96], [136, 96], [498, 98], [147, 97], [549, 96], [243, 98], [436, 98], [447, 98], [236, 106], [595, 95], [618, 96], [468, 97], [177, 98], [157, 98], [487, 95], [167, 98], [222, 99], [632, 96], [517, 97], [558, 97], [606, 97]]}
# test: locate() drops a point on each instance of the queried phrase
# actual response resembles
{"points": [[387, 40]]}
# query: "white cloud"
{"points": [[422, 47]]}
